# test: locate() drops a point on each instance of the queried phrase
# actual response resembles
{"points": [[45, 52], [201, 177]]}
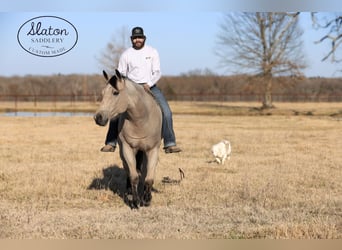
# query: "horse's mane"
{"points": [[137, 86]]}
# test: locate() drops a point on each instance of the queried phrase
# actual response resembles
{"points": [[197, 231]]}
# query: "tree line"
{"points": [[185, 87]]}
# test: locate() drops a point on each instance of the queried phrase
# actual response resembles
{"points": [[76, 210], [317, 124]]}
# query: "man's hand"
{"points": [[147, 88]]}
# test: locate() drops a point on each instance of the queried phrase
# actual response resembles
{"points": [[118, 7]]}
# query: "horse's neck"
{"points": [[139, 103]]}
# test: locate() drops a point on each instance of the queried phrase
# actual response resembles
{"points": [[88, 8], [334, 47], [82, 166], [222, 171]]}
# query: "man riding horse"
{"points": [[141, 64]]}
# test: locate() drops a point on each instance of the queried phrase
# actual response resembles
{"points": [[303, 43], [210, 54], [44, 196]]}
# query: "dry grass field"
{"points": [[283, 181]]}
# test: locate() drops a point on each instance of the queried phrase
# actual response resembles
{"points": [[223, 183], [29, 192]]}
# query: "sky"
{"points": [[185, 34]]}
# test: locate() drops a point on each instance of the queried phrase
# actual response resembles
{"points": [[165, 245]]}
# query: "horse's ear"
{"points": [[105, 75], [114, 82], [118, 74], [120, 84]]}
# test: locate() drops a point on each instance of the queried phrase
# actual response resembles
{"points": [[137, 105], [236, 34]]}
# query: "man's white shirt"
{"points": [[140, 66]]}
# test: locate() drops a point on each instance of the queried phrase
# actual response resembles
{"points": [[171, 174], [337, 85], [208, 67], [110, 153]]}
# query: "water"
{"points": [[45, 114]]}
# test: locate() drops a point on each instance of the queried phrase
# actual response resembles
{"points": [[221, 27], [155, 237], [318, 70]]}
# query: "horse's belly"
{"points": [[144, 143]]}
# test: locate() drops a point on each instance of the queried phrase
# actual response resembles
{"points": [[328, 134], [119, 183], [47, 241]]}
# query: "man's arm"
{"points": [[156, 73]]}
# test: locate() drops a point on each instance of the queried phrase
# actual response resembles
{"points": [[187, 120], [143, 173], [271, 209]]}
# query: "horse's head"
{"points": [[114, 99]]}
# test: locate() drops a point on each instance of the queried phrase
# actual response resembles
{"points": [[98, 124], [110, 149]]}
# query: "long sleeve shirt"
{"points": [[140, 66]]}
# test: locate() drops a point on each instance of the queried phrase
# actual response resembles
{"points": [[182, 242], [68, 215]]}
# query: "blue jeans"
{"points": [[167, 129]]}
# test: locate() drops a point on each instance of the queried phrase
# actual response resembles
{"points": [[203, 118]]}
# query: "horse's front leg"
{"points": [[134, 184], [128, 157], [152, 161]]}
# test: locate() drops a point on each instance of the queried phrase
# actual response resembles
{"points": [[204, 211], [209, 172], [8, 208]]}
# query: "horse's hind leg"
{"points": [[128, 186], [150, 175]]}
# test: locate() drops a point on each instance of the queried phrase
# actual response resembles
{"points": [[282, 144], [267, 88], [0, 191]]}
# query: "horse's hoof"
{"points": [[134, 207], [146, 201], [135, 204]]}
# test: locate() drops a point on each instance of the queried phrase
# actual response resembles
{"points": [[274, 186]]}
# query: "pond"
{"points": [[45, 114]]}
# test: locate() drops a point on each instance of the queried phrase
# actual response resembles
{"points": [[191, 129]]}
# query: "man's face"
{"points": [[138, 42]]}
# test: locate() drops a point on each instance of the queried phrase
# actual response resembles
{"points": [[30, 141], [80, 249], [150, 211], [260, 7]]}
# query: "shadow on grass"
{"points": [[115, 179]]}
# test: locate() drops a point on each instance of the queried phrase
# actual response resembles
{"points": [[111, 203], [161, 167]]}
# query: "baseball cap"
{"points": [[137, 32]]}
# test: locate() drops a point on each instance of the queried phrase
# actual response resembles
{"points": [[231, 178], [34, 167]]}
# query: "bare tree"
{"points": [[110, 56], [266, 44], [332, 23]]}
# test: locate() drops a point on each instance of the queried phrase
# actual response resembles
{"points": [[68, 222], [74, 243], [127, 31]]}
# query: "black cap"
{"points": [[137, 32]]}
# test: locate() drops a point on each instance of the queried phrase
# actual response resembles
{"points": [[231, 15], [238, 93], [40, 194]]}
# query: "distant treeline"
{"points": [[199, 88]]}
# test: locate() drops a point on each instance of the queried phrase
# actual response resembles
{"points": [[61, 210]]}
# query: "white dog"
{"points": [[221, 151]]}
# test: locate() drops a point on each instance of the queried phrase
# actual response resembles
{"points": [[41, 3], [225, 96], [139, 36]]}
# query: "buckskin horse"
{"points": [[139, 139]]}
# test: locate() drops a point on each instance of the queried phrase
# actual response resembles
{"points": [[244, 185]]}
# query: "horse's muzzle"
{"points": [[100, 119]]}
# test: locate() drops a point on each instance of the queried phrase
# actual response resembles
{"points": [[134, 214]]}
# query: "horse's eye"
{"points": [[115, 92]]}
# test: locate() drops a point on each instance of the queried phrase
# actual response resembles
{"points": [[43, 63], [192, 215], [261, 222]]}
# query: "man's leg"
{"points": [[111, 138], [167, 128]]}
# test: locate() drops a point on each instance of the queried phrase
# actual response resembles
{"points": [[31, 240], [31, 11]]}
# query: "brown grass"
{"points": [[283, 180]]}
